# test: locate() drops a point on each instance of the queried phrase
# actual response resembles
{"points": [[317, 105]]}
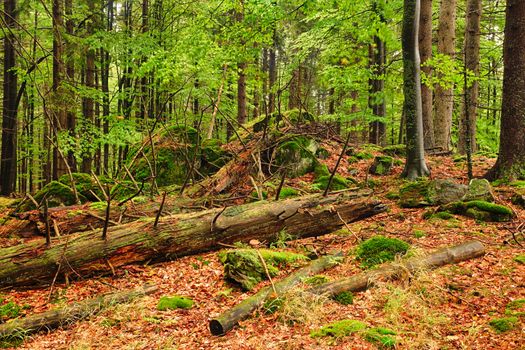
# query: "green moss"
{"points": [[504, 324], [382, 165], [518, 184], [271, 305], [392, 195], [381, 337], [244, 266], [174, 302], [316, 280], [322, 153], [379, 249], [395, 150], [339, 329], [441, 215], [419, 233], [287, 192], [344, 298], [364, 155], [213, 157], [520, 259], [254, 196], [297, 155], [338, 183], [8, 310], [83, 182], [321, 169], [481, 210], [516, 308], [352, 159], [57, 194], [415, 194]]}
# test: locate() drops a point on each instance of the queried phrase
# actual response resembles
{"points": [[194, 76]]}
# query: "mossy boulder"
{"points": [[382, 165], [297, 155], [213, 156], [480, 210], [322, 153], [430, 192], [395, 151], [174, 302], [339, 329], [56, 194], [338, 183], [380, 249], [479, 190], [245, 267], [363, 155], [518, 197]]}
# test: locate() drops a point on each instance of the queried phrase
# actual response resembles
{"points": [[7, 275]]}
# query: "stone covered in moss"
{"points": [[213, 157], [442, 215], [518, 197], [322, 153], [380, 249], [395, 151], [479, 190], [344, 298], [363, 155], [382, 165], [287, 192], [504, 324], [297, 155], [56, 194], [435, 192], [339, 329], [174, 302], [244, 266], [321, 169], [480, 210]]}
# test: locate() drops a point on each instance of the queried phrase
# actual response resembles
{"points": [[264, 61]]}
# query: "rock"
{"points": [[382, 165], [518, 197], [480, 210], [479, 189], [297, 155], [435, 192]]}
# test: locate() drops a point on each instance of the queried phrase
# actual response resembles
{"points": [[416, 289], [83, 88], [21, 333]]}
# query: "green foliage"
{"points": [[8, 310], [344, 298], [504, 324], [320, 170], [382, 165], [363, 155], [174, 302], [395, 150], [339, 329], [287, 192], [272, 305], [381, 337], [419, 233], [520, 259], [380, 249]]}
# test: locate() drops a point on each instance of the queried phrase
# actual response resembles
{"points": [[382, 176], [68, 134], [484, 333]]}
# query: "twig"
{"points": [[160, 210], [347, 227], [58, 270], [55, 227], [278, 193], [336, 165], [139, 190], [108, 212], [212, 227], [259, 193], [266, 270], [33, 200], [46, 223]]}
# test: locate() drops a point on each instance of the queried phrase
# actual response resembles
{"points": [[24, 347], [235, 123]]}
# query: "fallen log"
{"points": [[34, 264], [19, 328], [365, 280], [227, 320]]}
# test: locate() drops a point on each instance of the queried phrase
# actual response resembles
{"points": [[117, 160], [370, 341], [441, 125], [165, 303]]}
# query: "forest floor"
{"points": [[448, 308]]}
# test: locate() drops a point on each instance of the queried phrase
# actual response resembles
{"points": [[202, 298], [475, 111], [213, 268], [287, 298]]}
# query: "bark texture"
{"points": [[444, 98], [425, 51], [34, 264]]}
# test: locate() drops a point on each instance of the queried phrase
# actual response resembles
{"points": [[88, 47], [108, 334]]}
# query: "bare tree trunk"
{"points": [[272, 73], [425, 50], [472, 37], [444, 98]]}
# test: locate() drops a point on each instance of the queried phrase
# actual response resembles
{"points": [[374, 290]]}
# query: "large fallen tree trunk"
{"points": [[178, 235], [230, 318], [365, 280], [66, 315]]}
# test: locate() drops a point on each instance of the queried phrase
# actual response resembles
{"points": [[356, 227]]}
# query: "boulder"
{"points": [[382, 165], [480, 210], [479, 190], [297, 155], [434, 192]]}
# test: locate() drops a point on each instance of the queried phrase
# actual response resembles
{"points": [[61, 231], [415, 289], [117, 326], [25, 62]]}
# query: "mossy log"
{"points": [[226, 321], [365, 280], [178, 235], [19, 328]]}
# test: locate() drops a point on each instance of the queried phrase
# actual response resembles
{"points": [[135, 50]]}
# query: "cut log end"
{"points": [[216, 328]]}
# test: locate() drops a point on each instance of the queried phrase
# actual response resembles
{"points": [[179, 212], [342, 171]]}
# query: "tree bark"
{"points": [[227, 320], [425, 50], [70, 314], [511, 158], [444, 98], [365, 280], [415, 165], [470, 108], [8, 164], [179, 235]]}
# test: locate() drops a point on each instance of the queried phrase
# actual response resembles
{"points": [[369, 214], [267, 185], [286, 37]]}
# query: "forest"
{"points": [[262, 174]]}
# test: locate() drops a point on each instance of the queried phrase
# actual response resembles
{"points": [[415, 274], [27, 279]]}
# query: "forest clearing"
{"points": [[260, 174]]}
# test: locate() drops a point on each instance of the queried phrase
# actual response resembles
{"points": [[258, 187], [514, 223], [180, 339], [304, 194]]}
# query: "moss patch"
{"points": [[480, 210], [174, 302], [520, 259], [379, 249], [339, 329], [316, 280], [8, 310], [380, 336], [344, 298], [382, 165], [244, 266], [395, 150], [516, 308], [338, 183], [504, 324], [287, 192]]}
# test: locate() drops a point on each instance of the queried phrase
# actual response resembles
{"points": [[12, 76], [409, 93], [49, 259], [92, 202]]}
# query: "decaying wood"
{"points": [[365, 280], [178, 235], [227, 320], [67, 315]]}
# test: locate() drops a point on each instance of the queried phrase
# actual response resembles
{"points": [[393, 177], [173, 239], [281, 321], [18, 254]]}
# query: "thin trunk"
{"points": [[425, 50], [272, 73], [88, 102]]}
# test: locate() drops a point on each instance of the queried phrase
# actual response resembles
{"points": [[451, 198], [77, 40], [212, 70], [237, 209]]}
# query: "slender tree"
{"points": [[511, 159], [9, 111], [425, 50], [415, 165]]}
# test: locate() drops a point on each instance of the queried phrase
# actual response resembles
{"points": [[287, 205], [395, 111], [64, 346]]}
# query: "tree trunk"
{"points": [[425, 50], [179, 235], [70, 314], [364, 280], [511, 158], [444, 98], [8, 164], [272, 73], [226, 321], [470, 108], [377, 133], [415, 165], [241, 93]]}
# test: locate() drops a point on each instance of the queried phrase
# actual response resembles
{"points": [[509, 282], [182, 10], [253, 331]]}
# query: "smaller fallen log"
{"points": [[365, 280], [225, 322], [19, 328]]}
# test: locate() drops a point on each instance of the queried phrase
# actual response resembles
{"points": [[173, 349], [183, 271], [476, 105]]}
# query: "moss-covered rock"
{"points": [[441, 215], [380, 249], [244, 266], [480, 210], [344, 298], [213, 156], [479, 190], [395, 151], [435, 192], [316, 280], [338, 183], [382, 165], [297, 155], [56, 194], [504, 324], [174, 302], [322, 153], [288, 192], [339, 329], [321, 169], [363, 155]]}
